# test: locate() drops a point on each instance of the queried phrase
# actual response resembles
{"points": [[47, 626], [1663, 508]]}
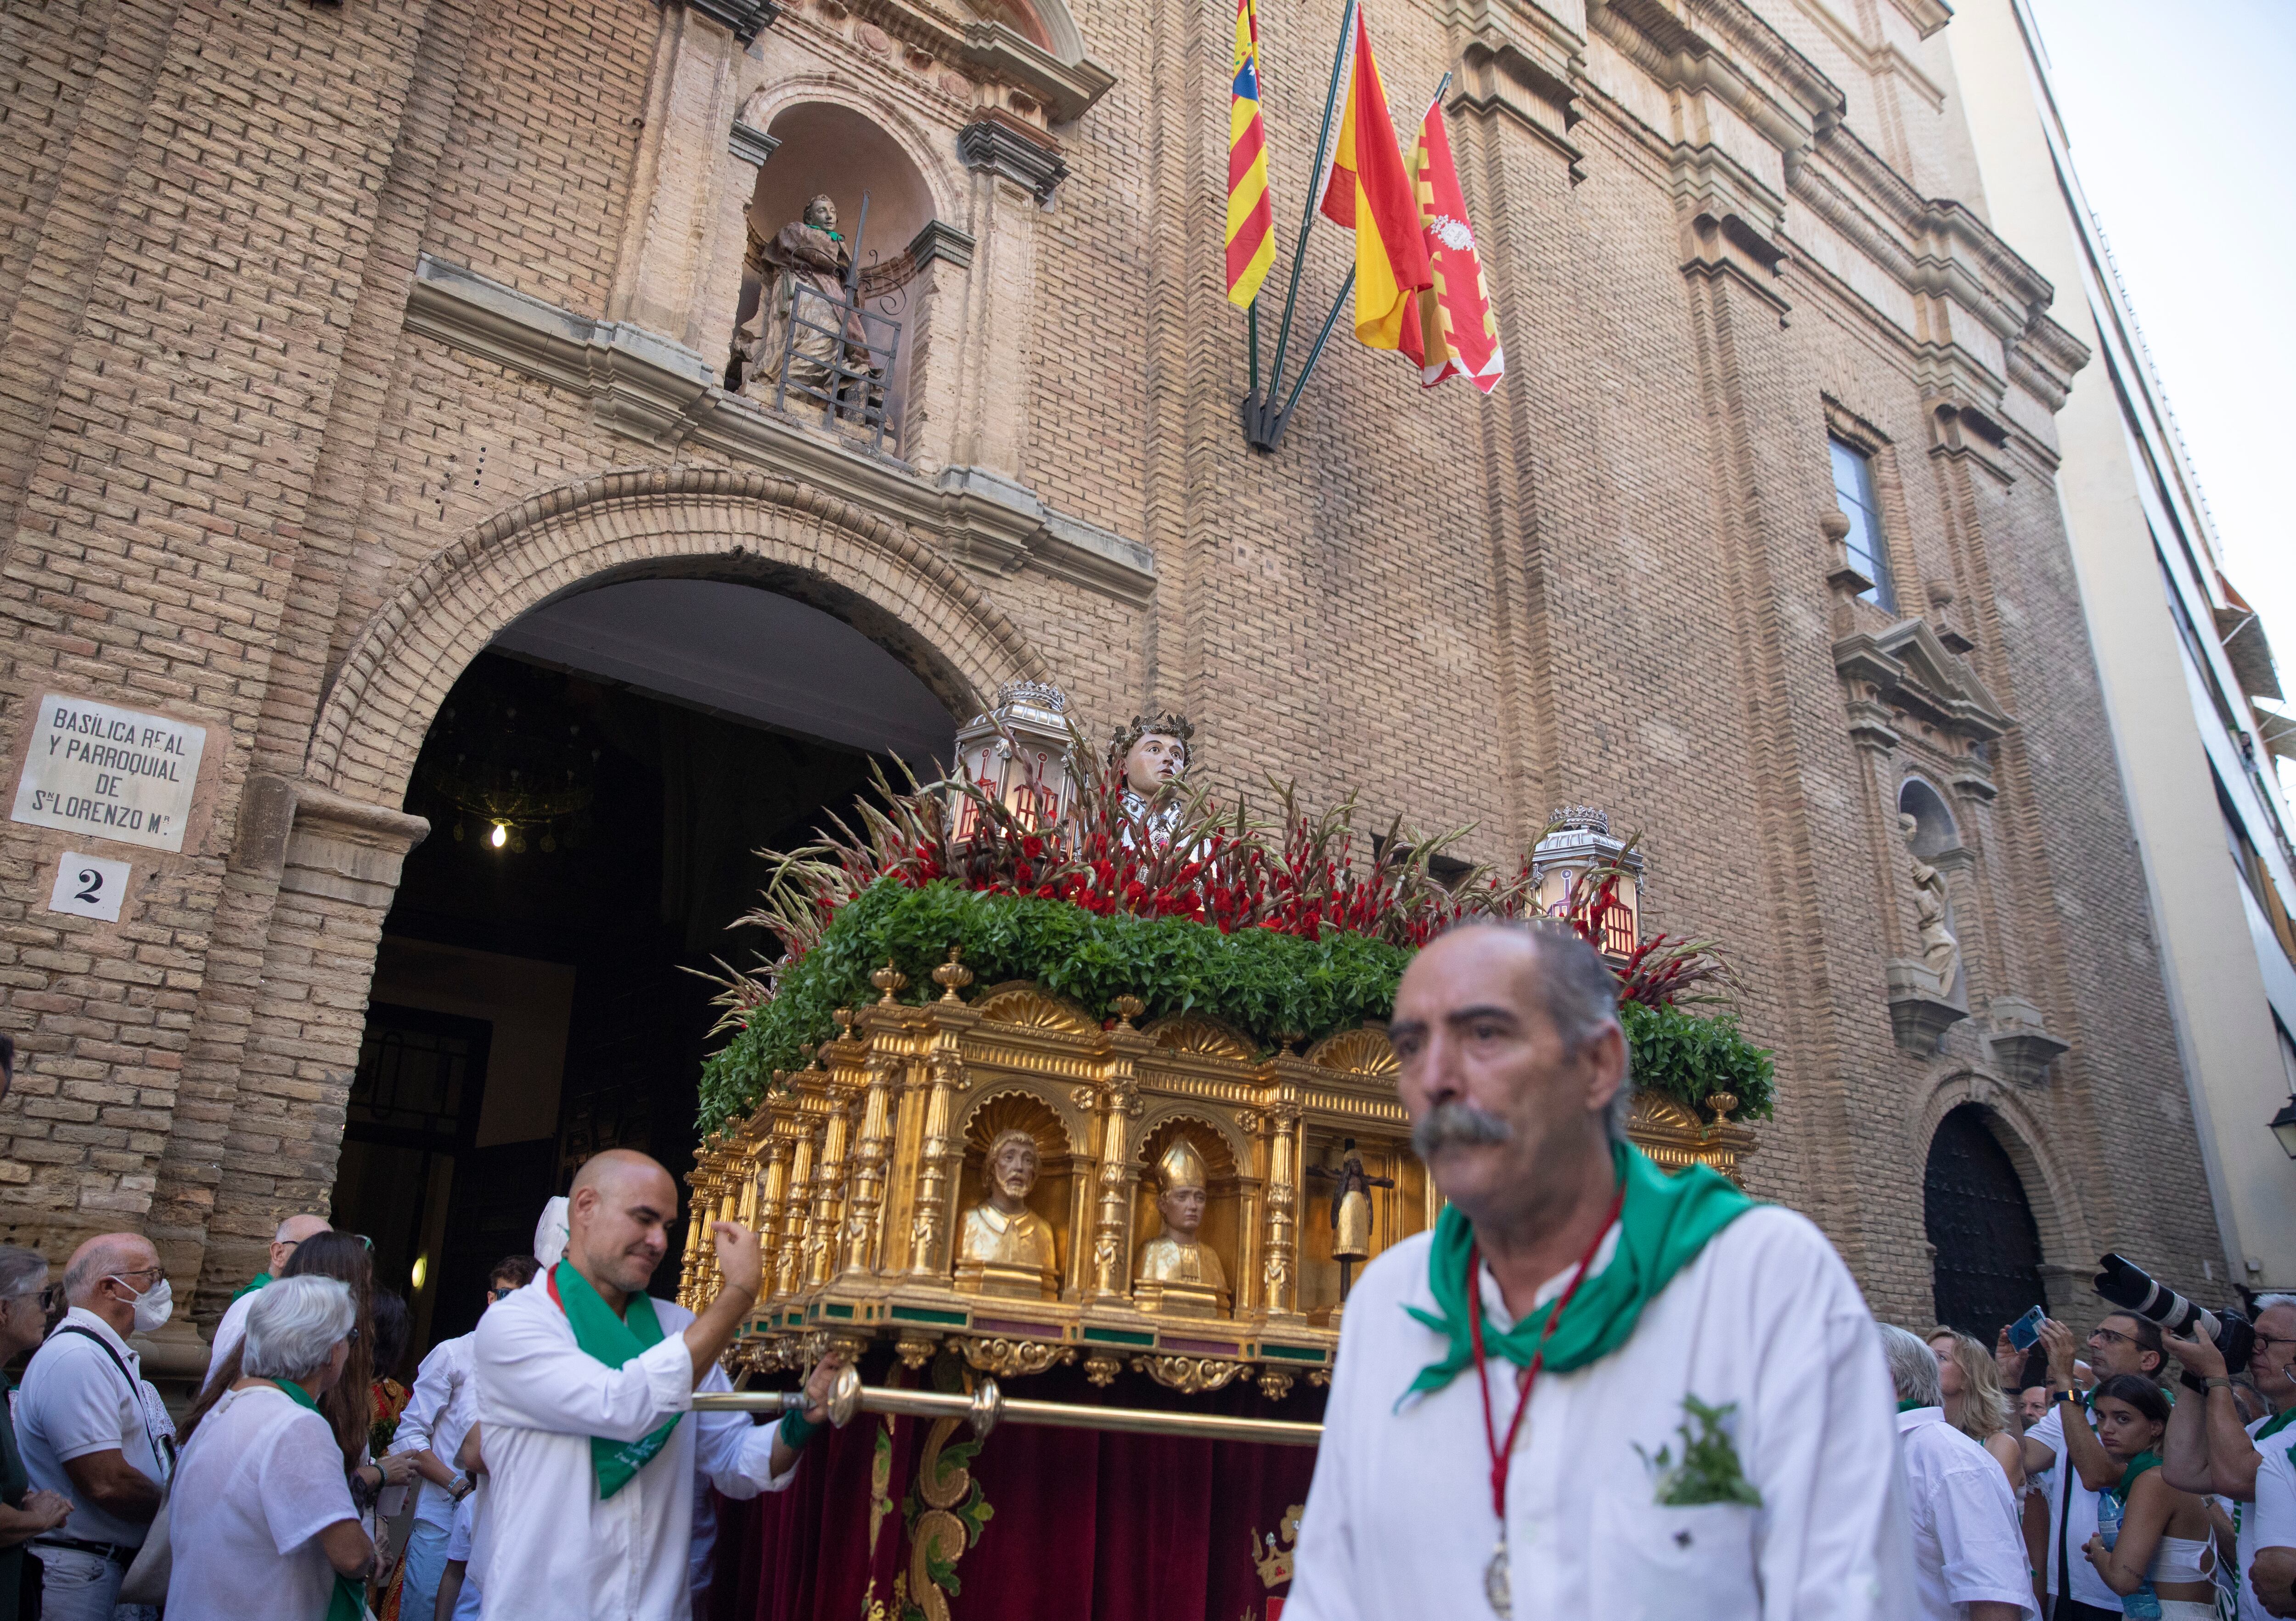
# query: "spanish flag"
{"points": [[1368, 188], [1250, 221]]}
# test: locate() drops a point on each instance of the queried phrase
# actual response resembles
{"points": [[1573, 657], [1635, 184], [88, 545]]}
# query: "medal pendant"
{"points": [[1497, 1586]]}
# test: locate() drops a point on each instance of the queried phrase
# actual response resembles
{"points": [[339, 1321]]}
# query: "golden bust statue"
{"points": [[1176, 1272], [1003, 1247]]}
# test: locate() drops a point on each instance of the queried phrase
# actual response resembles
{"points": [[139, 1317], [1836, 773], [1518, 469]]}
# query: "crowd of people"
{"points": [[556, 1466], [1714, 1437]]}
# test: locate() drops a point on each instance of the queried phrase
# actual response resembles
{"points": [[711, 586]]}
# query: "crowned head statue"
{"points": [[1004, 1247], [1151, 756], [1178, 1272]]}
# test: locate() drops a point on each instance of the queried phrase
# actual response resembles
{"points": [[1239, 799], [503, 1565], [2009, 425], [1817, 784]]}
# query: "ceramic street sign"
{"points": [[89, 885]]}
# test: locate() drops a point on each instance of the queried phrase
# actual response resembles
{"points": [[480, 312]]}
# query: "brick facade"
{"points": [[340, 336]]}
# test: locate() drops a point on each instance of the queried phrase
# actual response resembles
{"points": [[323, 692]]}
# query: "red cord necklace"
{"points": [[1497, 1584]]}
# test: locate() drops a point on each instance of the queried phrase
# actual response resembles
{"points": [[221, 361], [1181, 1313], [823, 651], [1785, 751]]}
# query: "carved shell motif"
{"points": [[1019, 1003], [1194, 1034], [1359, 1052]]}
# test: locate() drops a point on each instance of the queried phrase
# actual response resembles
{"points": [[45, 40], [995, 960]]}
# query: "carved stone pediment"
{"points": [[1032, 50], [1908, 668]]}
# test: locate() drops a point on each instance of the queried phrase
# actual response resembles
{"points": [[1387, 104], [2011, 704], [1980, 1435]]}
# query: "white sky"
{"points": [[2168, 106]]}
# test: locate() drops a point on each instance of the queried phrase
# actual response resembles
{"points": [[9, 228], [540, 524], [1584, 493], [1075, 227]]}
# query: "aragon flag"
{"points": [[1251, 222], [1368, 188], [1455, 334]]}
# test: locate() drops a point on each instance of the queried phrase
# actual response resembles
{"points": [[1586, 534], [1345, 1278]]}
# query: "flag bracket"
{"points": [[1263, 420]]}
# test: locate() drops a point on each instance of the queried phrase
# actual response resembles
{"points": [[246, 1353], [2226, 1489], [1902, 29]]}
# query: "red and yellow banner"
{"points": [[1367, 188], [1250, 221], [1457, 334]]}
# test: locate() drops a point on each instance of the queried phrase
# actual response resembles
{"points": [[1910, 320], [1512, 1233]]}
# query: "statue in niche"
{"points": [[1178, 1272], [1351, 1187], [1152, 754], [809, 251], [1003, 1247], [1937, 952]]}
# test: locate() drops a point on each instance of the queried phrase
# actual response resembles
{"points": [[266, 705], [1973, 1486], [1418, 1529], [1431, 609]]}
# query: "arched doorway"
{"points": [[598, 782], [1988, 1267]]}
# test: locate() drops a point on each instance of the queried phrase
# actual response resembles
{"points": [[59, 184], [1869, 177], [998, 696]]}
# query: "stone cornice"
{"points": [[1909, 667], [743, 17], [1064, 82], [2044, 359], [648, 389], [1722, 47], [994, 145]]}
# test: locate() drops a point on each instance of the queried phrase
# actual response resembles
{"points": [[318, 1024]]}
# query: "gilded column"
{"points": [[787, 1273], [772, 1198], [928, 1226], [1109, 1276], [861, 1221], [1281, 1268]]}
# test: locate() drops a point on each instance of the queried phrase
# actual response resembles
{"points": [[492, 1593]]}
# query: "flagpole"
{"points": [[1315, 186], [1282, 419], [1252, 322]]}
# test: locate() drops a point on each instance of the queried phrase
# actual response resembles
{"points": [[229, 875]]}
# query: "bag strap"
{"points": [[162, 1454]]}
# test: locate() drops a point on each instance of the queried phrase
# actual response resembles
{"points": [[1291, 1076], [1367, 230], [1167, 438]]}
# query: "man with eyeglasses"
{"points": [[2119, 1344], [85, 1427], [2210, 1449], [285, 1242], [438, 1415]]}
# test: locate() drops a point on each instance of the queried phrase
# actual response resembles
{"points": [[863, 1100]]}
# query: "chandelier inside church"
{"points": [[521, 773]]}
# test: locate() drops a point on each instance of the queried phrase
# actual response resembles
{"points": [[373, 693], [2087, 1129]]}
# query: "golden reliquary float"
{"points": [[1007, 1176]]}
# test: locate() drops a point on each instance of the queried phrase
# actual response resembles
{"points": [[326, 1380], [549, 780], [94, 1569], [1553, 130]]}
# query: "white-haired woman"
{"points": [[260, 1518]]}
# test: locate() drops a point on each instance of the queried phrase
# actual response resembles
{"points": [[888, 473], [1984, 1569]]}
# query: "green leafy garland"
{"points": [[1265, 984]]}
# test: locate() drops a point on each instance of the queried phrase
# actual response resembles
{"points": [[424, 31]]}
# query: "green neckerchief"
{"points": [[252, 1285], [2277, 1423], [1663, 1223], [348, 1602], [614, 1341], [2137, 1466], [1912, 1402]]}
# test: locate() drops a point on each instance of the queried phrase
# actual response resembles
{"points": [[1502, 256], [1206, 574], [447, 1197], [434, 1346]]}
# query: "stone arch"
{"points": [[775, 533], [2050, 1191], [931, 157], [1936, 828]]}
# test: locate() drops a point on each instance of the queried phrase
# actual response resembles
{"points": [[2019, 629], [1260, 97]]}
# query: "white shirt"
{"points": [[2088, 1587], [1399, 1520], [2244, 1516], [1967, 1547], [551, 1549], [438, 1415], [231, 1329], [74, 1403], [262, 1478], [2269, 1521]]}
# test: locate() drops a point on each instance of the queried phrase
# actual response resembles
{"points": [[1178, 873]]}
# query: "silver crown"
{"points": [[1582, 815]]}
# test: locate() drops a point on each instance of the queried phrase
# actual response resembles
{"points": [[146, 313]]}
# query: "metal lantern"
{"points": [[1017, 754], [1578, 850]]}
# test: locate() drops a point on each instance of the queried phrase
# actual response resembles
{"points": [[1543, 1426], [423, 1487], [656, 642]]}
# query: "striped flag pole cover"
{"points": [[1251, 218]]}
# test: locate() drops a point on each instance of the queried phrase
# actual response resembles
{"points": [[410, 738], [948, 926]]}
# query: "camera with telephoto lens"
{"points": [[2126, 1285]]}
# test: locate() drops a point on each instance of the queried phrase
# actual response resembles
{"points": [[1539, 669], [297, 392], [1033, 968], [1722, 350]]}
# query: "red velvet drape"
{"points": [[1082, 1525]]}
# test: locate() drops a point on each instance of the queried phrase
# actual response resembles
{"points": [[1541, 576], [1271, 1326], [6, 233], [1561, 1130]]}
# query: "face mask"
{"points": [[153, 1307]]}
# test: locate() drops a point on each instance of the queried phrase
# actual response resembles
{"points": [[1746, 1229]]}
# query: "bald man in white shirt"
{"points": [[578, 1532]]}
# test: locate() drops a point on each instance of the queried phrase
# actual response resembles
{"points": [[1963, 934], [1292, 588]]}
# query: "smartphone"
{"points": [[2026, 1330]]}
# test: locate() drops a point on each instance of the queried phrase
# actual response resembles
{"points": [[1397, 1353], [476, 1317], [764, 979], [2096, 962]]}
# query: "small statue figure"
{"points": [[1003, 1247], [810, 251], [1152, 754], [1176, 1271], [1939, 953], [1351, 1188]]}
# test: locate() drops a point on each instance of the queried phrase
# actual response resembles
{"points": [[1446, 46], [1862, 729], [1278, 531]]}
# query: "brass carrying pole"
{"points": [[987, 1406]]}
